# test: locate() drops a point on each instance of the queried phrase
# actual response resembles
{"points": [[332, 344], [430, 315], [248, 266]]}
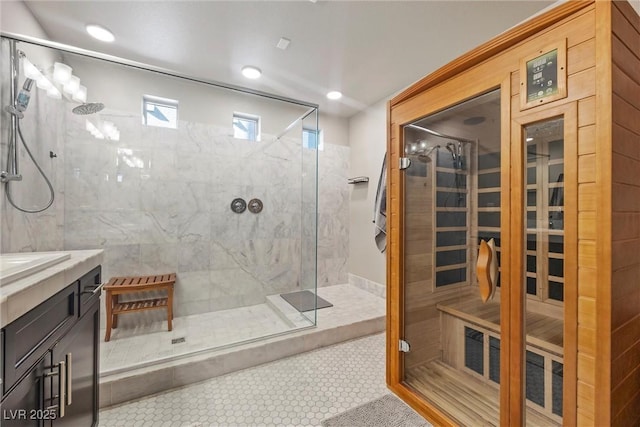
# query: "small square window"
{"points": [[246, 126], [312, 139], [160, 112]]}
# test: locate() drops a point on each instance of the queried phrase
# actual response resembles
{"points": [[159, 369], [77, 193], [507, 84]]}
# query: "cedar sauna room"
{"points": [[514, 227]]}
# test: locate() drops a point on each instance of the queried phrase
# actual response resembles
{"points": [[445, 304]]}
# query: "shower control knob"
{"points": [[255, 206], [238, 205]]}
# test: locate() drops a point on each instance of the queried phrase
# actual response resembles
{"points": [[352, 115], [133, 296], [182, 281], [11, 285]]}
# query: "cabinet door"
{"points": [[29, 336], [79, 350], [25, 405]]}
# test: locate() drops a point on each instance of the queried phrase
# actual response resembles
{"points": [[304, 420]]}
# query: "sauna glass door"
{"points": [[452, 202]]}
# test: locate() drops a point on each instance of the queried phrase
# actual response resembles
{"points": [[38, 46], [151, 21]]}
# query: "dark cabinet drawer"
{"points": [[89, 289], [29, 336]]}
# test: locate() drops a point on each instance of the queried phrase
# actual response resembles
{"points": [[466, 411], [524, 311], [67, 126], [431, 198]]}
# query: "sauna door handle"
{"points": [[487, 269]]}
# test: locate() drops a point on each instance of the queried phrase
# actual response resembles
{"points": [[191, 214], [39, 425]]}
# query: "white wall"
{"points": [[368, 140], [15, 17]]}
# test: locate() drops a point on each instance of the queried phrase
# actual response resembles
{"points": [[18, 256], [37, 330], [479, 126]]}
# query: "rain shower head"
{"points": [[88, 108], [426, 156]]}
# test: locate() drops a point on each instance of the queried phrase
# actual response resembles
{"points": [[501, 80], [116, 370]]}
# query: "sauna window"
{"points": [[246, 126], [159, 112]]}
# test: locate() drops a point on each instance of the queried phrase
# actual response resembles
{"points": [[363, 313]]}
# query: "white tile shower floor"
{"points": [[152, 341], [301, 390], [149, 342]]}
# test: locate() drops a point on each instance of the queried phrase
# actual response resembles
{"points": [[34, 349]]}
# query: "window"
{"points": [[312, 139], [246, 126], [160, 112]]}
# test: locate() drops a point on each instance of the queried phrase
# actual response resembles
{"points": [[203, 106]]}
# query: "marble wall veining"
{"points": [[159, 200], [333, 215]]}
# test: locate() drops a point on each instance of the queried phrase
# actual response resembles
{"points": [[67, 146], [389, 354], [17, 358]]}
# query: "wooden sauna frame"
{"points": [[602, 202]]}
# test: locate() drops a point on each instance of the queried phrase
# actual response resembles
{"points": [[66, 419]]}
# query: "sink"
{"points": [[19, 265]]}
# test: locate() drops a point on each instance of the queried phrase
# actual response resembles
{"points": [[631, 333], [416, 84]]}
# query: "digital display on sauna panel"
{"points": [[451, 202]]}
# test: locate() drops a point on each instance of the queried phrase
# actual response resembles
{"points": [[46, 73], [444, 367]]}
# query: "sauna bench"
{"points": [[543, 332]]}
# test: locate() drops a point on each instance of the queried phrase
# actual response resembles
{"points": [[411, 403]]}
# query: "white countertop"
{"points": [[22, 295]]}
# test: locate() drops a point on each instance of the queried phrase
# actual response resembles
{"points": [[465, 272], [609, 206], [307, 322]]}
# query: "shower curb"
{"points": [[127, 386], [286, 312]]}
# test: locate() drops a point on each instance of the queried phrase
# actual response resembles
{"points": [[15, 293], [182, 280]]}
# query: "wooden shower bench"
{"points": [[127, 285]]}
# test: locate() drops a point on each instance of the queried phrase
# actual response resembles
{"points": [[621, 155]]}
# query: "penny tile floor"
{"points": [[301, 390]]}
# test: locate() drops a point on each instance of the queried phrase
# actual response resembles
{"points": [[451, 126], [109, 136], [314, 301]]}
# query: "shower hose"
{"points": [[8, 187]]}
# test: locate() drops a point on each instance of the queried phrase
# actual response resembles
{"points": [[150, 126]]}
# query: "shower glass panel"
{"points": [[151, 178], [452, 202], [311, 140], [544, 281]]}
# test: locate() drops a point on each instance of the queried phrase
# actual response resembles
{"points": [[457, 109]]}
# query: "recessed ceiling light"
{"points": [[101, 33], [529, 139], [251, 72], [283, 43], [334, 94]]}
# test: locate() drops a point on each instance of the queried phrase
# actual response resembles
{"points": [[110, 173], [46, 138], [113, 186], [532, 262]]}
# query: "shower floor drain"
{"points": [[178, 340]]}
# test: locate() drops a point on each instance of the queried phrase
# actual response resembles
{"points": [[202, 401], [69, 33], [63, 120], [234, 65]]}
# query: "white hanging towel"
{"points": [[380, 209]]}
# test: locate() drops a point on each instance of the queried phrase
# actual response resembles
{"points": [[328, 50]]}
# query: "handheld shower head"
{"points": [[451, 147], [22, 100]]}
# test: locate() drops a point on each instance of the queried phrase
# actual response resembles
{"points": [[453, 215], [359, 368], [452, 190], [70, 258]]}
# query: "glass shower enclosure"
{"points": [[165, 173]]}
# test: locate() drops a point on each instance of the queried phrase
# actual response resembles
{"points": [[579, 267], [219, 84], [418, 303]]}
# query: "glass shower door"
{"points": [[452, 200]]}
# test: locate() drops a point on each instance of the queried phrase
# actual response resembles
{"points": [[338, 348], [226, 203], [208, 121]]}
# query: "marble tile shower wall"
{"points": [[43, 130], [159, 200], [333, 215]]}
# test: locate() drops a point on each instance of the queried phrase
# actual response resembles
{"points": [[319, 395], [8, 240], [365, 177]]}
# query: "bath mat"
{"points": [[305, 300], [387, 411]]}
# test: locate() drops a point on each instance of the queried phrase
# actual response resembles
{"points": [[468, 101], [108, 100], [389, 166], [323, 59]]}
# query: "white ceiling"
{"points": [[367, 50]]}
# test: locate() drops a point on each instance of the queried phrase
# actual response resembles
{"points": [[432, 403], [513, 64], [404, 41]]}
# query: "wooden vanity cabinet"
{"points": [[50, 358], [532, 140]]}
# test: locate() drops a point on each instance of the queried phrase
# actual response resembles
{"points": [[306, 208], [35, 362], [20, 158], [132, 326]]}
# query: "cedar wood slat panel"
{"points": [[601, 409], [625, 290]]}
